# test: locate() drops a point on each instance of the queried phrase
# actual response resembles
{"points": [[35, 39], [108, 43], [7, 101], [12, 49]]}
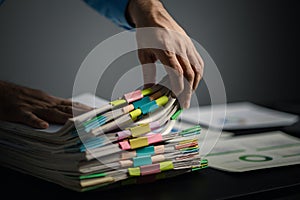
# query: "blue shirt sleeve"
{"points": [[115, 10]]}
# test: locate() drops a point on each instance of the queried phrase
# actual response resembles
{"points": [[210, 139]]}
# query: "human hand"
{"points": [[34, 107], [170, 45]]}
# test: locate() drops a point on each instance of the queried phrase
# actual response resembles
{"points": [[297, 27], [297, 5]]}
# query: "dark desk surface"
{"points": [[274, 183]]}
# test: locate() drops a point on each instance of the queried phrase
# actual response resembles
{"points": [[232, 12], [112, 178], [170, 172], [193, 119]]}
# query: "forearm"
{"points": [[150, 13]]}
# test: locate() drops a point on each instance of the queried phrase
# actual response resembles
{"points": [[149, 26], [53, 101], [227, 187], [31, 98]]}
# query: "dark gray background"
{"points": [[254, 43]]}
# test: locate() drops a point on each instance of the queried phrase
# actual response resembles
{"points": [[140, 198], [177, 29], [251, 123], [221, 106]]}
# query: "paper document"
{"points": [[242, 115], [258, 151]]}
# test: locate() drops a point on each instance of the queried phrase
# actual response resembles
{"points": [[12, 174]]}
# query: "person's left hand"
{"points": [[34, 107]]}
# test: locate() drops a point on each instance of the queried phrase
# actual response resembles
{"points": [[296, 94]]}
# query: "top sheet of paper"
{"points": [[242, 115]]}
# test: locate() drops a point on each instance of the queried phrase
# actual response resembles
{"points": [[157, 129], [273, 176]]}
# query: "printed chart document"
{"points": [[258, 151], [242, 115]]}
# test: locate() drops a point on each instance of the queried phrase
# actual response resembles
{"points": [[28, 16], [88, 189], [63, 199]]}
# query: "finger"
{"points": [[32, 120], [53, 115], [188, 71], [147, 60], [198, 66], [78, 111], [185, 97], [81, 106], [62, 101], [65, 109], [174, 70]]}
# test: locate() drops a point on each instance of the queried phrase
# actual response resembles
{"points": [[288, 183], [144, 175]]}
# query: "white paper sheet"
{"points": [[258, 151], [243, 115]]}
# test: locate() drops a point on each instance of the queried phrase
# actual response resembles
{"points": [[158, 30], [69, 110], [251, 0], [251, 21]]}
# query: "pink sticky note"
{"points": [[133, 96], [124, 145], [154, 138], [150, 169]]}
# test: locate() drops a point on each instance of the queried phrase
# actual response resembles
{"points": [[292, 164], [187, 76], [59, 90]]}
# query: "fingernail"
{"points": [[44, 125]]}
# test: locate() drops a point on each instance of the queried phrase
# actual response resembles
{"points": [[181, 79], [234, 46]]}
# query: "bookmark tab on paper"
{"points": [[142, 160], [124, 145], [147, 91], [123, 134], [118, 102], [135, 114], [150, 169], [145, 151], [167, 165], [140, 129], [143, 101], [134, 171], [149, 107], [133, 96], [138, 142]]}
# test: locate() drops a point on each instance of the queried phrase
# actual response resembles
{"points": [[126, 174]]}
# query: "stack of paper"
{"points": [[132, 136]]}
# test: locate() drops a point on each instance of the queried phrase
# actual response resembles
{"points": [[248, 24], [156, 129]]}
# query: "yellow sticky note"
{"points": [[147, 91], [134, 171], [138, 142], [139, 130], [134, 114], [118, 102], [167, 165]]}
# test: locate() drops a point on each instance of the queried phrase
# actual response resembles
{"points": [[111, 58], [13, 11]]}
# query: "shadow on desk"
{"points": [[275, 183]]}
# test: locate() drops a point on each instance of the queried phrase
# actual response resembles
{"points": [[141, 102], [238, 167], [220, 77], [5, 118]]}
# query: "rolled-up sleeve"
{"points": [[115, 10]]}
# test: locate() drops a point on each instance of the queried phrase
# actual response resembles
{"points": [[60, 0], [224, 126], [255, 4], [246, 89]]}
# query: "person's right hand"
{"points": [[159, 37], [34, 107]]}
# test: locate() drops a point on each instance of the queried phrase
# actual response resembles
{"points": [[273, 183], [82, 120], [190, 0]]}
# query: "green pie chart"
{"points": [[255, 158]]}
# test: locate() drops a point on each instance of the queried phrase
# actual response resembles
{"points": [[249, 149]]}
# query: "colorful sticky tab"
{"points": [[150, 169], [159, 149], [145, 151], [147, 91], [139, 130], [135, 114], [158, 158], [138, 142], [162, 101], [167, 165], [118, 102], [149, 107], [154, 125], [191, 131], [134, 171], [128, 108], [204, 163], [128, 154], [185, 145], [139, 103], [124, 145], [133, 96], [123, 134], [142, 160], [126, 163], [176, 114], [154, 138]]}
